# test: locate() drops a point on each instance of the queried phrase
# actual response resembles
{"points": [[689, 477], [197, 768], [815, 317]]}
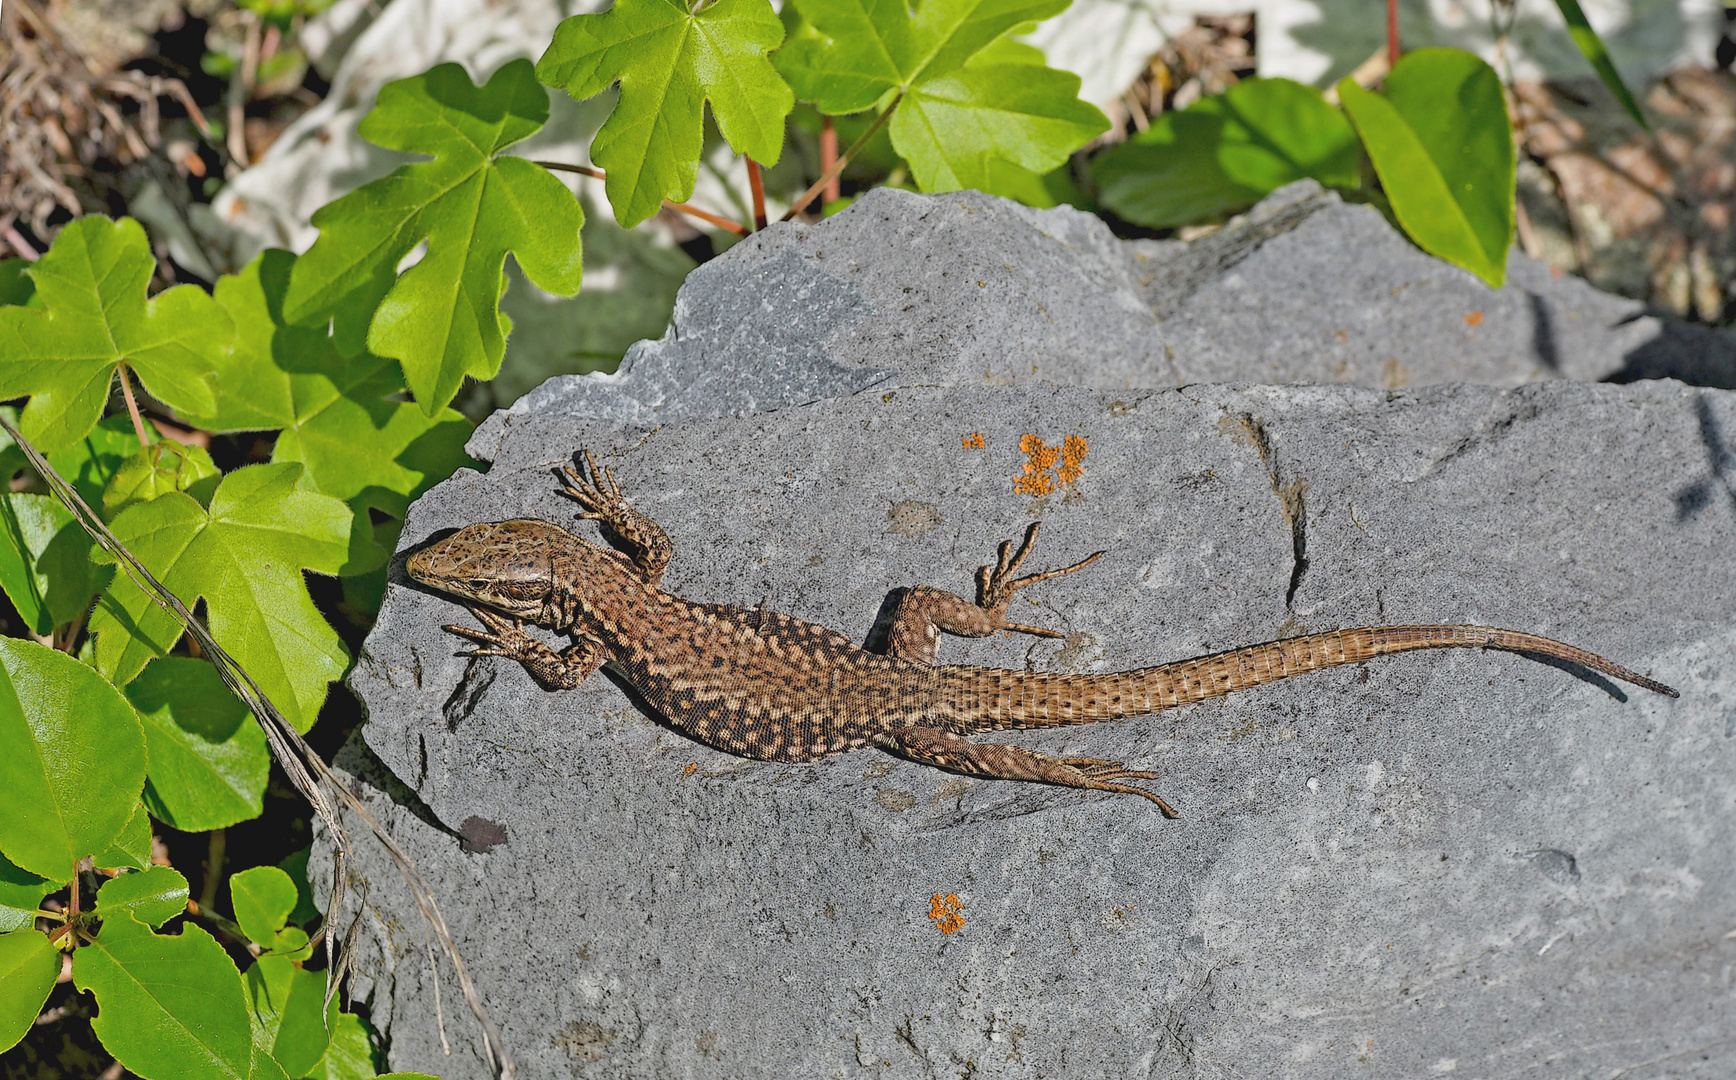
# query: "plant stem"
{"points": [[681, 208], [219, 842], [829, 158], [10, 234], [757, 185], [198, 911], [1392, 32], [837, 168], [133, 407]]}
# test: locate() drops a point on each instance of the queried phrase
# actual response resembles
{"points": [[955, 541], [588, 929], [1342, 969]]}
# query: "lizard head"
{"points": [[507, 565]]}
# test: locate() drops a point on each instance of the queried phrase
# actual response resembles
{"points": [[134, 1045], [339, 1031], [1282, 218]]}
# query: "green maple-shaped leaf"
{"points": [[965, 98], [669, 61], [955, 129], [472, 204], [333, 414], [244, 556], [160, 467], [95, 317]]}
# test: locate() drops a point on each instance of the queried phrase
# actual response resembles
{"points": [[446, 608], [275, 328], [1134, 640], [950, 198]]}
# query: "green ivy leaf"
{"points": [[21, 892], [132, 848], [669, 61], [350, 1055], [29, 965], [158, 469], [1579, 28], [969, 97], [90, 464], [952, 127], [92, 283], [333, 413], [168, 1008], [244, 555], [1222, 154], [153, 896], [851, 53], [74, 763], [472, 204], [262, 898], [295, 865], [288, 1013], [45, 565], [1440, 140], [265, 1067], [208, 758], [15, 284]]}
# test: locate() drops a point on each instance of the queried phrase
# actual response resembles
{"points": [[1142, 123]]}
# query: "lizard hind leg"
{"points": [[926, 611], [996, 586], [999, 761]]}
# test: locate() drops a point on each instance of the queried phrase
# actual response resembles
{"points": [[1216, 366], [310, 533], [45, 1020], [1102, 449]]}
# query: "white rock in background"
{"points": [[1107, 42]]}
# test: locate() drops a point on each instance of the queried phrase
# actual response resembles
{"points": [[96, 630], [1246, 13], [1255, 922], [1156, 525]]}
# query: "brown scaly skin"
{"points": [[772, 687]]}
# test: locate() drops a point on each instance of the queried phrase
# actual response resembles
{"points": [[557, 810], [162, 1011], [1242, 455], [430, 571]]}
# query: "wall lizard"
{"points": [[773, 687]]}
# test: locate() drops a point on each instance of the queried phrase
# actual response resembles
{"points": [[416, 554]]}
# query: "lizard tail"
{"points": [[1024, 699]]}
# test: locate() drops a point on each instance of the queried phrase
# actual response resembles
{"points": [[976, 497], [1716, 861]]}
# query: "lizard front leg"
{"points": [[562, 670], [645, 543], [999, 761], [926, 611]]}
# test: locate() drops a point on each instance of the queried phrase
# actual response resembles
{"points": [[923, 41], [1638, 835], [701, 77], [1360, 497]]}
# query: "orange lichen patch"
{"points": [[973, 441], [1473, 318], [692, 767], [1041, 457], [1072, 459], [946, 911]]}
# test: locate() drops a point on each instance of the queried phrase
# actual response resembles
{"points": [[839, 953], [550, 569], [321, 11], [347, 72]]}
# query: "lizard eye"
{"points": [[523, 590]]}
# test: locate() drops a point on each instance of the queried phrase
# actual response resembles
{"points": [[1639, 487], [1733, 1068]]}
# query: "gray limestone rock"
{"points": [[1307, 288], [968, 289], [899, 287], [1440, 863]]}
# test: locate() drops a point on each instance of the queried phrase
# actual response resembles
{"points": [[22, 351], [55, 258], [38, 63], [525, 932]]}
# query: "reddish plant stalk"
{"points": [[721, 222], [757, 186], [828, 159]]}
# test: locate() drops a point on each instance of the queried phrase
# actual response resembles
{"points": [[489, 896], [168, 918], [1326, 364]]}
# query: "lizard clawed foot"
{"points": [[506, 637], [1098, 775], [503, 636], [645, 545], [596, 491], [996, 585]]}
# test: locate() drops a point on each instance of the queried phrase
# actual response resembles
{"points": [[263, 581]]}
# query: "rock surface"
{"points": [[970, 289], [1433, 862], [1440, 862]]}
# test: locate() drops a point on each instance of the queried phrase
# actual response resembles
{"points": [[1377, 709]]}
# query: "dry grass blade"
{"points": [[305, 769]]}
